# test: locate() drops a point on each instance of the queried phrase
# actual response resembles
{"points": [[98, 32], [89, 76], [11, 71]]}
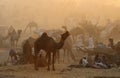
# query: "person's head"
{"points": [[84, 58], [11, 48], [110, 39], [27, 41], [44, 33], [103, 57], [118, 43], [40, 55], [96, 55]]}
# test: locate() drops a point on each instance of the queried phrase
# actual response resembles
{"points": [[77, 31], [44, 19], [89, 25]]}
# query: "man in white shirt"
{"points": [[90, 42], [79, 41], [84, 62]]}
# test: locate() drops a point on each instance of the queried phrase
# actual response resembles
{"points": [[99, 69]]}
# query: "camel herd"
{"points": [[53, 43]]}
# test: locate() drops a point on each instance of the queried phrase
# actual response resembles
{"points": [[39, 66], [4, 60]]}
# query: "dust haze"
{"points": [[54, 13], [61, 38]]}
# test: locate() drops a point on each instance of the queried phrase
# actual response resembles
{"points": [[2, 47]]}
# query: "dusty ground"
{"points": [[62, 71]]}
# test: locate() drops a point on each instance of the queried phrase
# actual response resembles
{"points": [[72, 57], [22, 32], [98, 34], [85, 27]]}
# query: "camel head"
{"points": [[63, 38], [65, 35], [19, 31]]}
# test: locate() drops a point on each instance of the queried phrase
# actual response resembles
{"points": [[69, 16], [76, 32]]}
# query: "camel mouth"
{"points": [[68, 34]]}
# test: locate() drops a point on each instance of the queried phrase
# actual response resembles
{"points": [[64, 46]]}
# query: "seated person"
{"points": [[13, 56], [84, 62], [104, 61], [100, 62], [111, 43], [42, 61]]}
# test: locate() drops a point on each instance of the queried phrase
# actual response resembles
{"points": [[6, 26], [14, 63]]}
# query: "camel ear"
{"points": [[68, 32]]}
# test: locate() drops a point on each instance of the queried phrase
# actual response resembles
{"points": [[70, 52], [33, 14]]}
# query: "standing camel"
{"points": [[50, 46], [14, 37], [67, 47]]}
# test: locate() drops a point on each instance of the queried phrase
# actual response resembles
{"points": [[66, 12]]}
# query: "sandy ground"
{"points": [[3, 55], [62, 71], [27, 71]]}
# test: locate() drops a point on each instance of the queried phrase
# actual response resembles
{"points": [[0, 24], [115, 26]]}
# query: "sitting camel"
{"points": [[50, 46]]}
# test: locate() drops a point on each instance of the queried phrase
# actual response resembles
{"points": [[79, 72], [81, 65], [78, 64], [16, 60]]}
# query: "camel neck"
{"points": [[60, 44]]}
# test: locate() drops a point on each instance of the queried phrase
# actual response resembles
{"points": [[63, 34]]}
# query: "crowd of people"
{"points": [[98, 62], [101, 61]]}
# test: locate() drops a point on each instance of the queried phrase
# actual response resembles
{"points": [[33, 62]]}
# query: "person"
{"points": [[27, 53], [80, 41], [13, 56], [84, 62], [42, 60], [100, 62], [111, 43], [90, 42], [104, 61], [97, 59], [117, 47]]}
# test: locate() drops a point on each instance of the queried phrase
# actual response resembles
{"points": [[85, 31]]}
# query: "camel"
{"points": [[31, 25], [67, 47], [50, 46], [14, 37]]}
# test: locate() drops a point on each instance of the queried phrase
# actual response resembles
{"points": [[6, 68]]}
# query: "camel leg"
{"points": [[46, 56], [11, 43], [53, 60], [68, 56], [16, 43], [49, 61], [64, 55], [72, 55], [36, 60], [58, 57], [11, 59]]}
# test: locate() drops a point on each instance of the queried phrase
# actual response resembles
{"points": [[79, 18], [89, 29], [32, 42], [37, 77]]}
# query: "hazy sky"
{"points": [[52, 13]]}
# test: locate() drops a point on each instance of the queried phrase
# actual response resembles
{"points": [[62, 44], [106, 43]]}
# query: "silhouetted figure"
{"points": [[27, 53], [13, 56], [111, 43], [97, 59], [104, 61], [117, 47], [42, 61], [101, 62]]}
